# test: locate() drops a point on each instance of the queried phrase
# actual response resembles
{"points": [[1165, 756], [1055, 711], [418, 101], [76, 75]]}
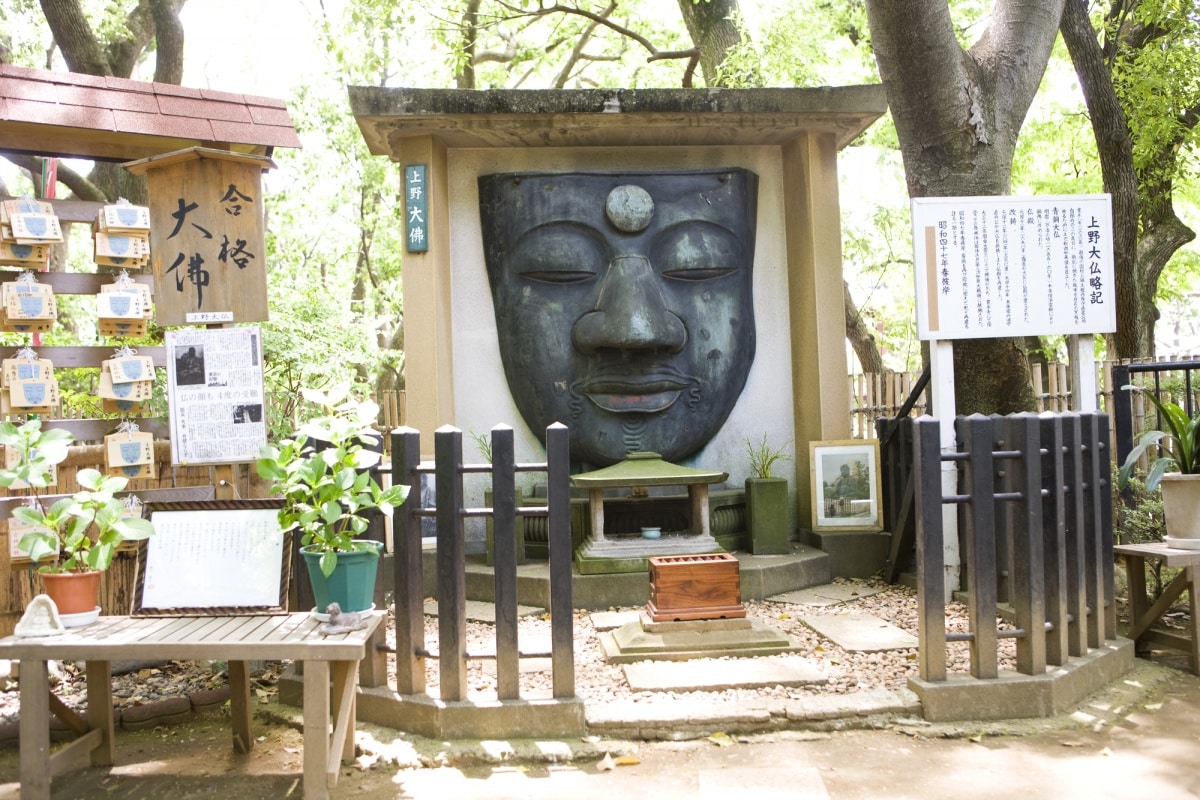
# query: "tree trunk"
{"points": [[465, 79], [1115, 150], [958, 114], [711, 27], [150, 21], [860, 336]]}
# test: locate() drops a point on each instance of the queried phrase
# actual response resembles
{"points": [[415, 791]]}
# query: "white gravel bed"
{"points": [[596, 680]]}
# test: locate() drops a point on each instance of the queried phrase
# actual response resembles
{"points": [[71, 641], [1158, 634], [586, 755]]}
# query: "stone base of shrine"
{"points": [[647, 640]]}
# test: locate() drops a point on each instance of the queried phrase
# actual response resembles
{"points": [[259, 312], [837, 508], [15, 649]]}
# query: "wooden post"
{"points": [[562, 620], [451, 565], [504, 524], [931, 599], [408, 571]]}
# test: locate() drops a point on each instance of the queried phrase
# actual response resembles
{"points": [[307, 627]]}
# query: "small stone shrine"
{"points": [[617, 542], [40, 619]]}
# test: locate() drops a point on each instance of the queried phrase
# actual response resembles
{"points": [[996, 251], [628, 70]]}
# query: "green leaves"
{"points": [[323, 474], [85, 528], [1179, 444]]}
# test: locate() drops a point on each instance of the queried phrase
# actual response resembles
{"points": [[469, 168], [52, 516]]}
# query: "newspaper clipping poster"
{"points": [[215, 381]]}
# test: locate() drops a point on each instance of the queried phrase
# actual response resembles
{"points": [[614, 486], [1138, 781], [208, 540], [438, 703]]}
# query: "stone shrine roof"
{"points": [[645, 469], [611, 117]]}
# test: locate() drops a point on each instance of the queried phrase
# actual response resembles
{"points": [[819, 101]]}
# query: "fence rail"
{"points": [[875, 396]]}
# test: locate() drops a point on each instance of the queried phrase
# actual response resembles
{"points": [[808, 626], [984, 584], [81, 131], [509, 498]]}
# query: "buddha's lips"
{"points": [[623, 397]]}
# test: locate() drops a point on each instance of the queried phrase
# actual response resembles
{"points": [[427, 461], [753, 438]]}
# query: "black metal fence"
{"points": [[1035, 532], [1167, 380], [452, 655]]}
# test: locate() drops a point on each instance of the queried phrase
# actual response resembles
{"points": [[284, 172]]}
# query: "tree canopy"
{"points": [[975, 111]]}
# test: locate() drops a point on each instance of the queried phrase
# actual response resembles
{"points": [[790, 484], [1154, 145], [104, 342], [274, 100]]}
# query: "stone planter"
{"points": [[767, 515], [1181, 509]]}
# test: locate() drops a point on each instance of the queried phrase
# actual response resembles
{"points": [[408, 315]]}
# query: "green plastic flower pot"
{"points": [[352, 583]]}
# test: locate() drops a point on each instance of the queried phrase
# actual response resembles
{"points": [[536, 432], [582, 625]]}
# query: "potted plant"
{"points": [[1176, 469], [80, 531], [323, 474], [766, 500]]}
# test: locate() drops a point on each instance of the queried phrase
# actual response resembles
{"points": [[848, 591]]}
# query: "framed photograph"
{"points": [[213, 557], [845, 485]]}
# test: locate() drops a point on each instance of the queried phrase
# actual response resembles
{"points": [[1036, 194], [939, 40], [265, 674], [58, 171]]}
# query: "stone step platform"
{"points": [[646, 640], [719, 674]]}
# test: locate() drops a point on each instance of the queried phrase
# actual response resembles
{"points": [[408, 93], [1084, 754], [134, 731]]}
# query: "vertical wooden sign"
{"points": [[416, 208], [206, 236]]}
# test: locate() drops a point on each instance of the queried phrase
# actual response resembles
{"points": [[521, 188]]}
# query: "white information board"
{"points": [[213, 557], [1013, 266]]}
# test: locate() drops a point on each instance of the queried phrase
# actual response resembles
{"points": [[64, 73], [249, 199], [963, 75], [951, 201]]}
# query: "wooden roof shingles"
{"points": [[71, 114]]}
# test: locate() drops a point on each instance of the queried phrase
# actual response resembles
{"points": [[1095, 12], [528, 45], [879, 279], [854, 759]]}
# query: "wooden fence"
{"points": [[1037, 538], [875, 396], [412, 651]]}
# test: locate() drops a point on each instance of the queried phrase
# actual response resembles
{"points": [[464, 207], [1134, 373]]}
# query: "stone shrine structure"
{"points": [[795, 389]]}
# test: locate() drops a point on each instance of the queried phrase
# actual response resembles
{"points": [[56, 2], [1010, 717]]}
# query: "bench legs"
{"points": [[35, 731], [329, 691], [239, 706], [1143, 615], [96, 733], [324, 750]]}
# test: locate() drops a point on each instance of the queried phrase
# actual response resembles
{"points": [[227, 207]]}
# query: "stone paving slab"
{"points": [[610, 620], [778, 783], [860, 632], [530, 646], [828, 594], [479, 611], [714, 675]]}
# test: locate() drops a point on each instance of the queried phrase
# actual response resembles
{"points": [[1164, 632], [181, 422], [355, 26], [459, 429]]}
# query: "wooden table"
{"points": [[1142, 615], [237, 639]]}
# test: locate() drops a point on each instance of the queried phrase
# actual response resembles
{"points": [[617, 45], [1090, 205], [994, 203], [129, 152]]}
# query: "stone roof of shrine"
{"points": [[612, 117]]}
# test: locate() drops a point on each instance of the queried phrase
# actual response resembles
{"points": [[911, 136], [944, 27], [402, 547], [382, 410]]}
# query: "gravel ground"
{"points": [[597, 681]]}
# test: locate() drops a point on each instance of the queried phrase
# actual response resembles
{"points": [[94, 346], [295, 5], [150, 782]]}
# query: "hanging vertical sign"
{"points": [[206, 236], [1013, 266], [416, 207]]}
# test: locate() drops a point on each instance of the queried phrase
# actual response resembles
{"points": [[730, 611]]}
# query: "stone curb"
{"points": [[654, 720], [683, 719], [168, 711]]}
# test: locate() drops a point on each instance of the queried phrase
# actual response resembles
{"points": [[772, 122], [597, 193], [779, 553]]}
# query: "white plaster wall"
{"points": [[481, 396]]}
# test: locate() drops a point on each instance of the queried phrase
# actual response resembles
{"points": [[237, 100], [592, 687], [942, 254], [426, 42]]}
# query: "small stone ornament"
{"points": [[342, 621], [40, 619]]}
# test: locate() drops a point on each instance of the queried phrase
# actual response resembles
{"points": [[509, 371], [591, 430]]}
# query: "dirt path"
{"points": [[1141, 737]]}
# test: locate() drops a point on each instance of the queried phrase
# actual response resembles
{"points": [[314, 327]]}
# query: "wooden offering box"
{"points": [[704, 586]]}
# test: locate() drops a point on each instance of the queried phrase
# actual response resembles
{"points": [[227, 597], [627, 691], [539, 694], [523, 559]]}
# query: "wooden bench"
{"points": [[1143, 616], [327, 660]]}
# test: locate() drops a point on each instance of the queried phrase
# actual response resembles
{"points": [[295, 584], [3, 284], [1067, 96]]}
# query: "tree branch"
{"points": [[80, 186]]}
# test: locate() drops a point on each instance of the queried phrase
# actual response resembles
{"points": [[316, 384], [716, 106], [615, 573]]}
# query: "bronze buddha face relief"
{"points": [[623, 303]]}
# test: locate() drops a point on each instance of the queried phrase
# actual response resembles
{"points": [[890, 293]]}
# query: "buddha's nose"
{"points": [[630, 312]]}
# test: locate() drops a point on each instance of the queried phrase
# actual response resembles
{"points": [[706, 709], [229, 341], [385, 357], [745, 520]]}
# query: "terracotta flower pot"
{"points": [[73, 592]]}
